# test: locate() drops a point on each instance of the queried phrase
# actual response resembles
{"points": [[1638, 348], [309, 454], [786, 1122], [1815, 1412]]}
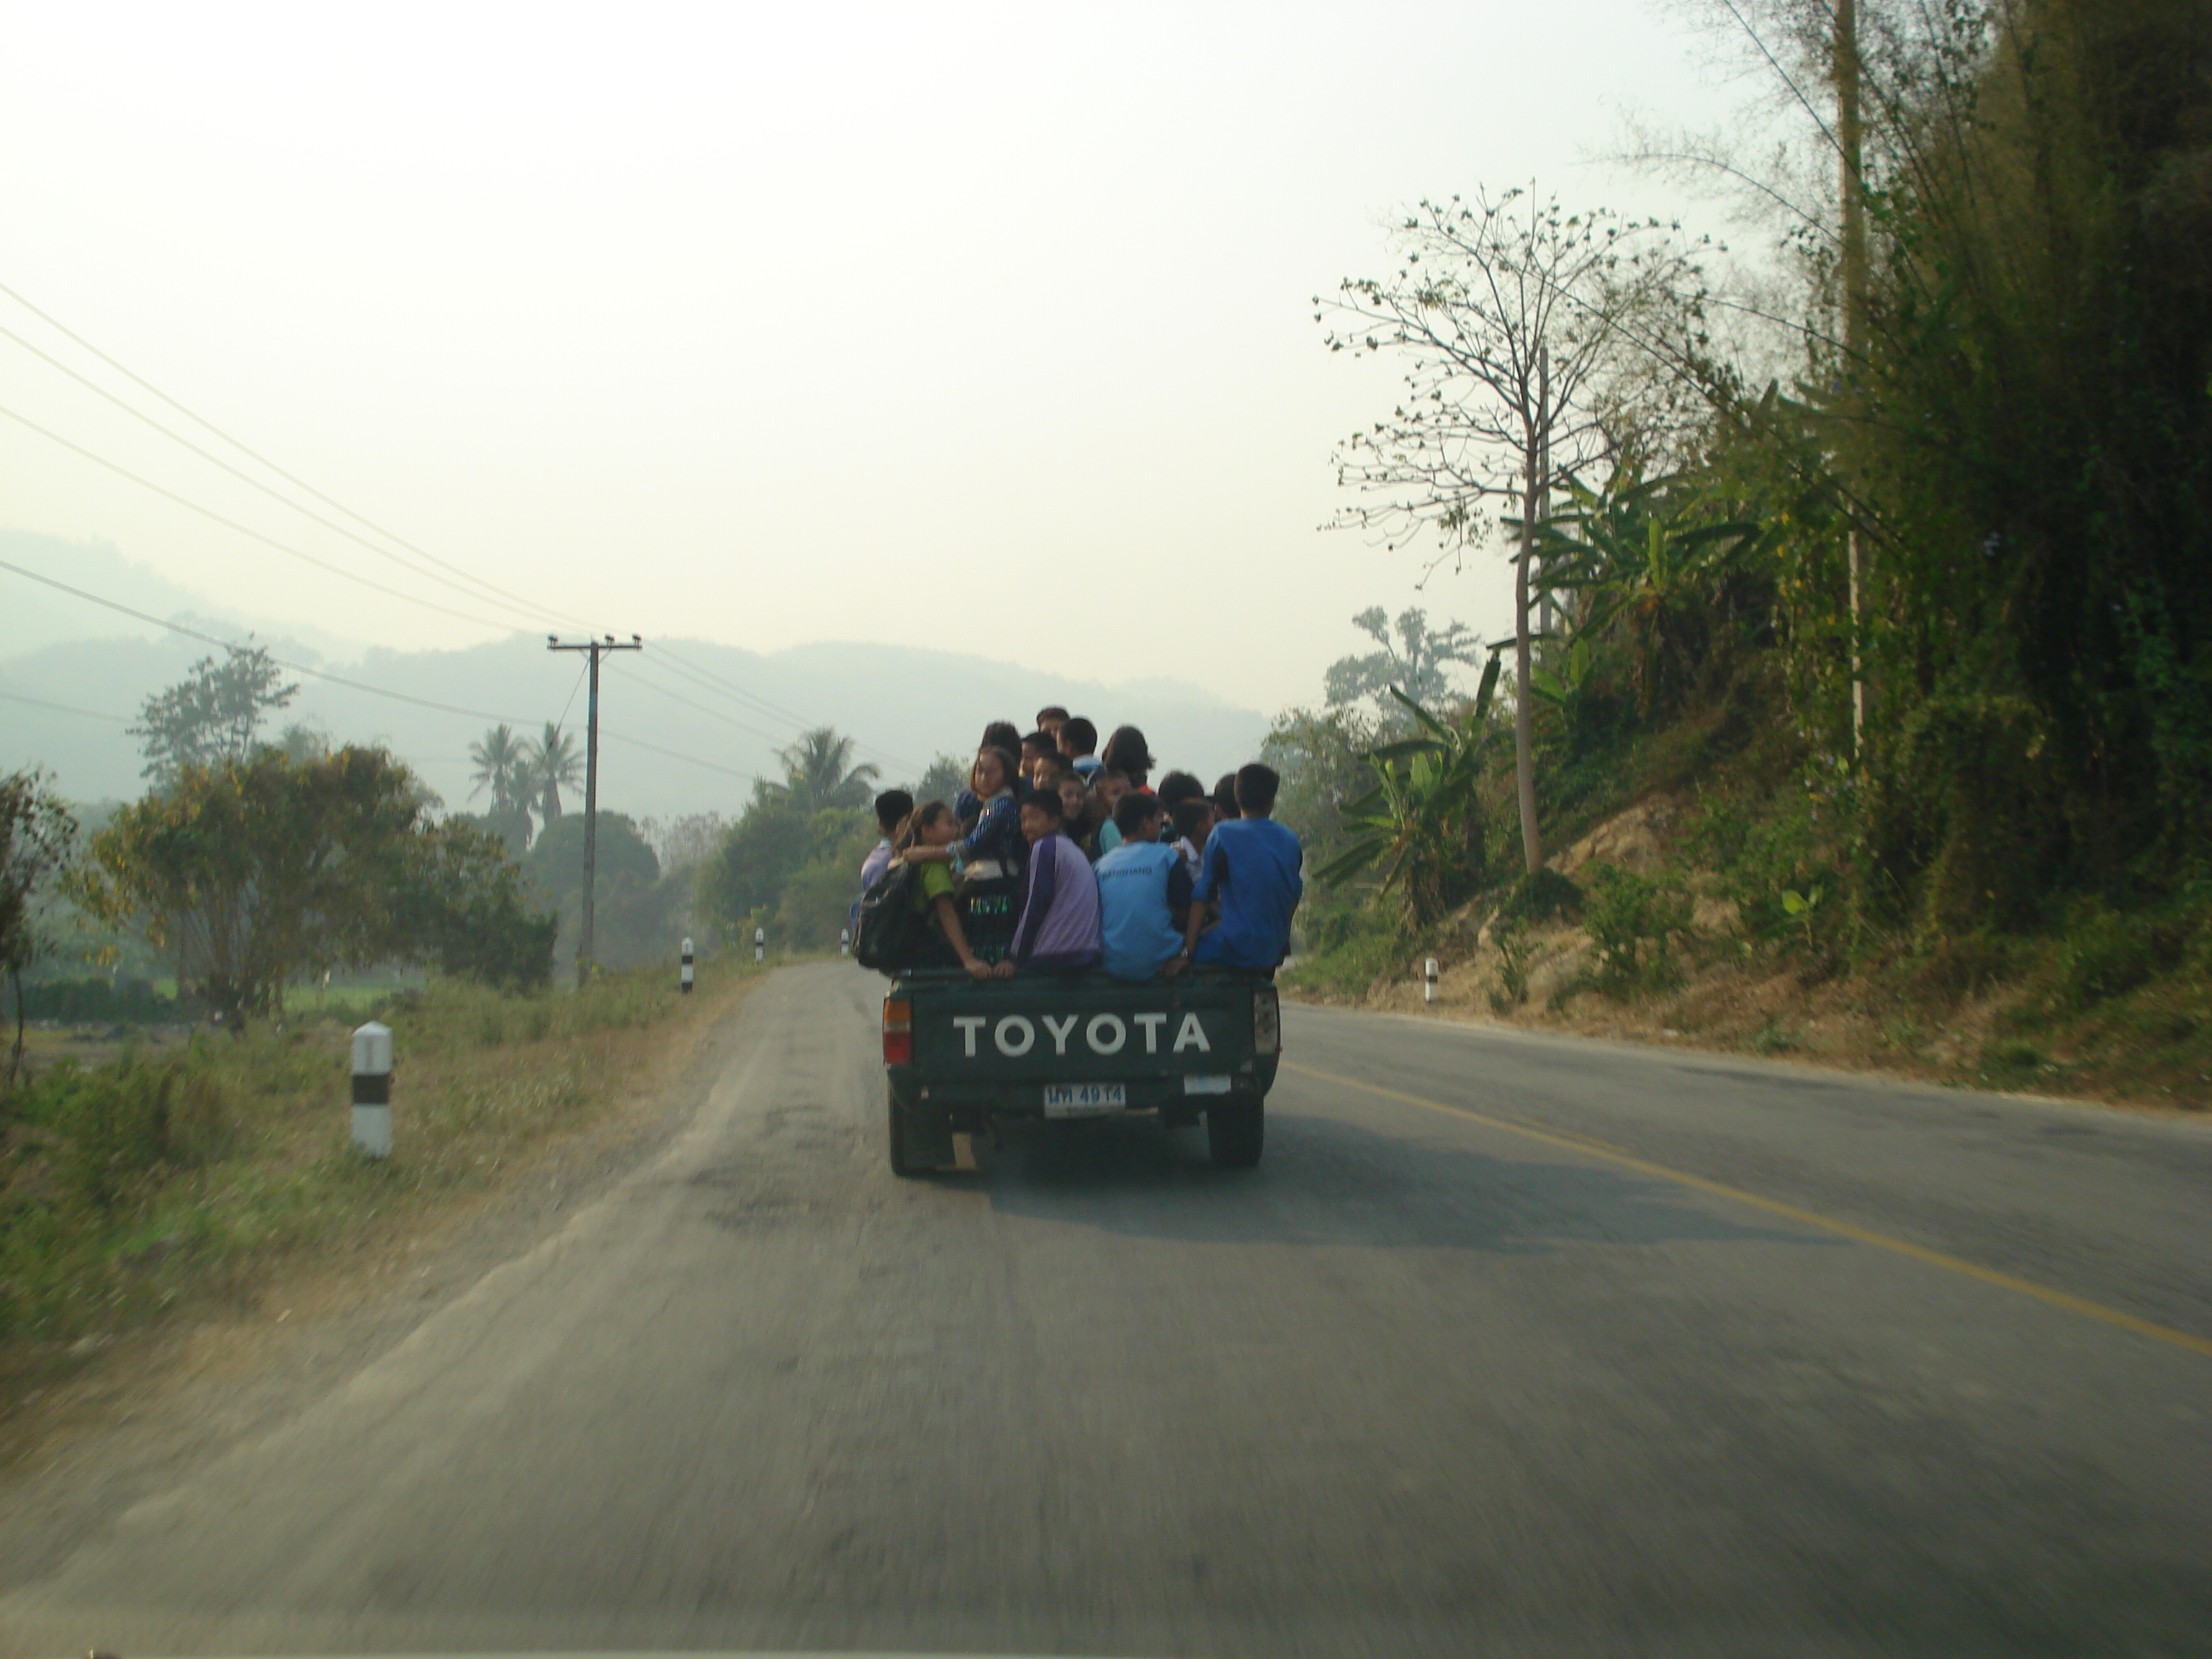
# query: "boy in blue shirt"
{"points": [[1251, 866], [1140, 885]]}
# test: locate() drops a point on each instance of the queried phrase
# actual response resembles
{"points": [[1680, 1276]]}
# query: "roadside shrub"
{"points": [[1540, 896], [1516, 949], [1632, 921]]}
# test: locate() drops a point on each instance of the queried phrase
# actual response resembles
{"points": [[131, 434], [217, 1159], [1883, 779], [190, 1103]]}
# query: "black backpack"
{"points": [[891, 932]]}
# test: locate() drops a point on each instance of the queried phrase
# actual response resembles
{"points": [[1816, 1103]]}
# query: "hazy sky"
{"points": [[981, 327]]}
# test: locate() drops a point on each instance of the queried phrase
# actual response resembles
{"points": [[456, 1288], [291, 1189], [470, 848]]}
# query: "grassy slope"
{"points": [[1716, 806]]}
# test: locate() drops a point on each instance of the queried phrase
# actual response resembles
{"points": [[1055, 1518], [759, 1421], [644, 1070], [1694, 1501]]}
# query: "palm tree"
{"points": [[818, 773], [548, 765], [503, 763]]}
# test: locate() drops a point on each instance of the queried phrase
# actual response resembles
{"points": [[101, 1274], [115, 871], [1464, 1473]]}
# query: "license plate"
{"points": [[1084, 1099]]}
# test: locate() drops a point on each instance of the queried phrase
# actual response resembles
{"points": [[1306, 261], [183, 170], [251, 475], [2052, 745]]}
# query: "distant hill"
{"points": [[906, 704]]}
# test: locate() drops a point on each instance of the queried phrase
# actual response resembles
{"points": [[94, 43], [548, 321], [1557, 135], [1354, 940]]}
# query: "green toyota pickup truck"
{"points": [[959, 1052]]}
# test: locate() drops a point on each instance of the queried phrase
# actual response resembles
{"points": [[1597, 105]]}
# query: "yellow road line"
{"points": [[1577, 1143]]}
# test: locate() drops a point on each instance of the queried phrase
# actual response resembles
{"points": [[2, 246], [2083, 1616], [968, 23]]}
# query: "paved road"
{"points": [[1890, 1372]]}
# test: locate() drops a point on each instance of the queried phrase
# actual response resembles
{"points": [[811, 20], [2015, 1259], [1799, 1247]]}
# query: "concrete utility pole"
{"points": [[591, 782]]}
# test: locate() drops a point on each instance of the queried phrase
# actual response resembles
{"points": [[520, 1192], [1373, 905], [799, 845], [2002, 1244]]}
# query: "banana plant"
{"points": [[1421, 825], [1642, 553]]}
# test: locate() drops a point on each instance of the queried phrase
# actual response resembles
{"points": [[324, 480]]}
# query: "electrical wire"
{"points": [[271, 541], [340, 679], [705, 678], [63, 708], [536, 615], [200, 420]]}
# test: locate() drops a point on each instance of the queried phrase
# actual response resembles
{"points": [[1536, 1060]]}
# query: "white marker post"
{"points": [[371, 1090], [1429, 981], [760, 944], [687, 967], [844, 941]]}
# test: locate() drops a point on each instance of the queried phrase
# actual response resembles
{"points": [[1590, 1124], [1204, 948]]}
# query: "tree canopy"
{"points": [[214, 714], [252, 873]]}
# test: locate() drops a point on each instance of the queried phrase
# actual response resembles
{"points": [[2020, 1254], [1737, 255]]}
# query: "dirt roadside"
{"points": [[144, 1406], [1763, 1010]]}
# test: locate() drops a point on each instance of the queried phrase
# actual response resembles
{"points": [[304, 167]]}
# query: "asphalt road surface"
{"points": [[1511, 1346]]}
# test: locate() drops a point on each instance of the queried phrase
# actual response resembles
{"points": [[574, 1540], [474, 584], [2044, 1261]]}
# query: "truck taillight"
{"points": [[898, 1031], [1267, 1022]]}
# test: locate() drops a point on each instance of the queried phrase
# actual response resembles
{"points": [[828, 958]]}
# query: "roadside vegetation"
{"points": [[186, 1175], [1859, 701]]}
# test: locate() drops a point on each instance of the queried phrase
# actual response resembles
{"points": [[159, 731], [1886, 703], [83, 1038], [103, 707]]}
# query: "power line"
{"points": [[233, 524], [535, 613], [340, 679], [706, 678], [64, 708], [139, 379]]}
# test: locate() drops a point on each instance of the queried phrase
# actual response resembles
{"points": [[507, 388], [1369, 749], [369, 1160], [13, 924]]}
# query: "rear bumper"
{"points": [[970, 1105]]}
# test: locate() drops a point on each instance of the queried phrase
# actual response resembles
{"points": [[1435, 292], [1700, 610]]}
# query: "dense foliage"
{"points": [[2014, 426], [254, 874]]}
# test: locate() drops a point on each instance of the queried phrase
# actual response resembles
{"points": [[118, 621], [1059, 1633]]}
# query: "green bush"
{"points": [[1515, 949], [1632, 921], [1539, 896]]}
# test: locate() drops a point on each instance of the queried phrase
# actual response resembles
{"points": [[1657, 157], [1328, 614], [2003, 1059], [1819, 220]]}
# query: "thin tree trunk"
{"points": [[1850, 142], [15, 1059], [1524, 713], [1524, 699]]}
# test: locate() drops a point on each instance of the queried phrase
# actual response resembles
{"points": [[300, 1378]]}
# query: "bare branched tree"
{"points": [[1515, 318]]}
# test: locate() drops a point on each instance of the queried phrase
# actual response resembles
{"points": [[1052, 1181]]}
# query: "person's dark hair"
{"points": [[1079, 737], [1192, 815], [891, 808], [1010, 764], [1046, 801], [1179, 786], [1255, 789], [1001, 735], [1052, 711], [1224, 794], [1043, 742], [920, 819], [1127, 751], [1135, 811]]}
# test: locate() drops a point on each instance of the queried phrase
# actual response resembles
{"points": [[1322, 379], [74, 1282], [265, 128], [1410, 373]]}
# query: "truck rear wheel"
{"points": [[903, 1164], [1235, 1134]]}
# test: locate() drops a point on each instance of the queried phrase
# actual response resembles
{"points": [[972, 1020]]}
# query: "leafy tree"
{"points": [[257, 872], [819, 773], [1322, 758], [688, 842], [1414, 662], [1511, 314], [946, 777], [553, 761], [467, 910], [36, 835], [212, 715], [747, 872], [302, 740], [556, 862]]}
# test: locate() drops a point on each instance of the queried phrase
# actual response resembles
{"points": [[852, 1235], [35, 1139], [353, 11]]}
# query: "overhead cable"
{"points": [[271, 541], [327, 500], [536, 614], [340, 679]]}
